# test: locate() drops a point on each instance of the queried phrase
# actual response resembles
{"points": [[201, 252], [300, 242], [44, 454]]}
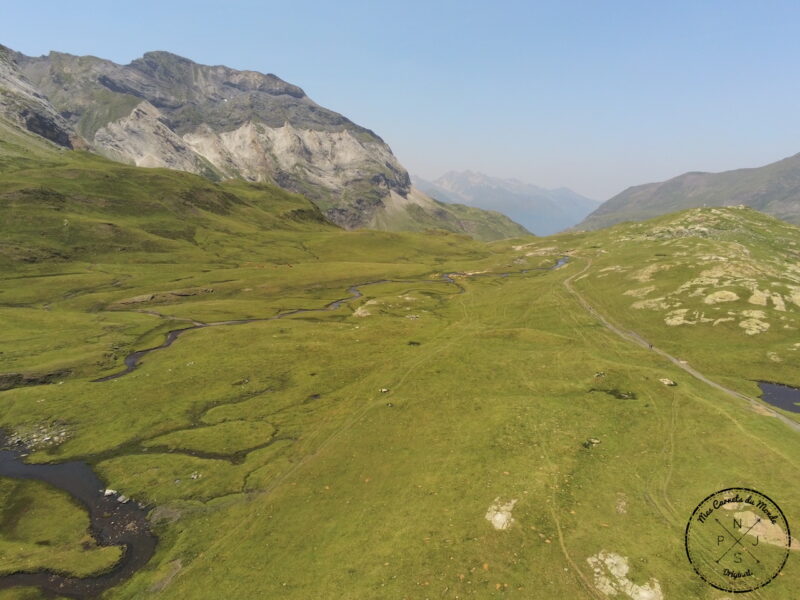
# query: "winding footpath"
{"points": [[637, 339]]}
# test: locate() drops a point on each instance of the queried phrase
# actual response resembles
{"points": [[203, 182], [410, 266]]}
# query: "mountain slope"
{"points": [[163, 110], [540, 210], [22, 104], [773, 189], [74, 206], [418, 212]]}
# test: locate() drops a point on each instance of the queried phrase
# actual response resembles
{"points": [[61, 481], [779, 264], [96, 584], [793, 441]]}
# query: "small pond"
{"points": [[780, 396]]}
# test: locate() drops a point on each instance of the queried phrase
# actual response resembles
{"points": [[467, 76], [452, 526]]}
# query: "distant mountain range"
{"points": [[773, 189], [540, 210], [163, 110]]}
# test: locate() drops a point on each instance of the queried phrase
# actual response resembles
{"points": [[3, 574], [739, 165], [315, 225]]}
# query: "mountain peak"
{"points": [[540, 210], [178, 70], [164, 55]]}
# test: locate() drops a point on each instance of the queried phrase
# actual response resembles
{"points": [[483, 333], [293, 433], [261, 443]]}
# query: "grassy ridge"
{"points": [[772, 189], [717, 287]]}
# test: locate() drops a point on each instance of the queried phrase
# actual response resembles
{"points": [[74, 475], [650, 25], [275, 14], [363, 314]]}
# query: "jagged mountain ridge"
{"points": [[542, 211], [163, 110], [773, 189]]}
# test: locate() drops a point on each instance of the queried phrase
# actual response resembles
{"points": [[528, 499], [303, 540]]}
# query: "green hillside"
{"points": [[483, 435], [425, 213], [163, 110], [719, 287], [773, 189]]}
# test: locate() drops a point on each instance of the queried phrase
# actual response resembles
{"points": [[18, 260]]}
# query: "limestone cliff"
{"points": [[163, 110]]}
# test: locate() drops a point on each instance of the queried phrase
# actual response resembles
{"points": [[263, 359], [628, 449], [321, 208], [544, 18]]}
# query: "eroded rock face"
{"points": [[163, 110], [347, 174], [23, 105], [144, 139]]}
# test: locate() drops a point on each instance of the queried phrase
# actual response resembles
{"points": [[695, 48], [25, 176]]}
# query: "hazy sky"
{"points": [[591, 95]]}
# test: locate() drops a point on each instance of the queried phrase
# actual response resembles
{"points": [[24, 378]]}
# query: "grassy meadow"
{"points": [[355, 452]]}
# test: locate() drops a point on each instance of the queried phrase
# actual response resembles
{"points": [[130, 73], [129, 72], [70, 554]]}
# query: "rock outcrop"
{"points": [[22, 105]]}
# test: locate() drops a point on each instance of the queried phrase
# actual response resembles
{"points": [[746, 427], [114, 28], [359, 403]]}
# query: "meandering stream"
{"points": [[133, 359], [113, 523]]}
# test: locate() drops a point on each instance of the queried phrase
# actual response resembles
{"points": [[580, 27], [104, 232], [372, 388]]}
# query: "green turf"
{"points": [[273, 463], [43, 528]]}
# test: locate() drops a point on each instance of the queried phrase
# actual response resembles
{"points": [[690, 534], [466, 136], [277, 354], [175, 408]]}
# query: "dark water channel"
{"points": [[112, 523], [133, 359]]}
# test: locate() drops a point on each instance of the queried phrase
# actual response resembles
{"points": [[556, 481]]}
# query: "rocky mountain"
{"points": [[540, 210], [163, 110], [23, 105], [773, 189]]}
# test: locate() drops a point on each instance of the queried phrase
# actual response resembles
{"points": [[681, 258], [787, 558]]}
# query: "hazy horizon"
{"points": [[595, 98]]}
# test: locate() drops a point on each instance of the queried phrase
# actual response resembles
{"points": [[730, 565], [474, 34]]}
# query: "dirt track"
{"points": [[637, 339]]}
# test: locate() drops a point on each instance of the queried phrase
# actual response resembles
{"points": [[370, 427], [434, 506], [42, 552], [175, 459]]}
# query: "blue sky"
{"points": [[591, 95]]}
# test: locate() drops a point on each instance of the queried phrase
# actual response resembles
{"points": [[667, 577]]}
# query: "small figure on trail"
{"points": [[651, 346]]}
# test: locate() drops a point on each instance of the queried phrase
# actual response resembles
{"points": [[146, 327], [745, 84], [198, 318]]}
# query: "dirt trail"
{"points": [[637, 339]]}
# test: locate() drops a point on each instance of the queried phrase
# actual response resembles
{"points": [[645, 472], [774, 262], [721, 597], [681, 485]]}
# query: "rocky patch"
{"points": [[647, 273], [754, 323], [611, 578], [621, 505], [651, 304], [754, 526], [639, 292], [361, 311], [499, 513], [40, 436], [678, 317], [720, 296]]}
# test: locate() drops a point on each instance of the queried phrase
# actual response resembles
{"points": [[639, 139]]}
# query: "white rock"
{"points": [[499, 513]]}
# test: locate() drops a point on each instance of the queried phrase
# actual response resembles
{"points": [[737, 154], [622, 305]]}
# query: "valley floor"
{"points": [[482, 437]]}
